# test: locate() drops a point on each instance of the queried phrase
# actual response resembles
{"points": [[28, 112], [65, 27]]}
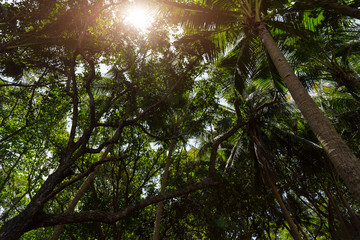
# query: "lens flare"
{"points": [[139, 17]]}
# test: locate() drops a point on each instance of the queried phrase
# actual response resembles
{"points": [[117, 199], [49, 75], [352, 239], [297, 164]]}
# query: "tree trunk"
{"points": [[17, 226], [344, 10], [353, 82], [262, 156], [345, 162], [334, 6], [354, 218], [162, 190], [58, 229], [25, 221], [344, 229], [294, 232], [345, 77]]}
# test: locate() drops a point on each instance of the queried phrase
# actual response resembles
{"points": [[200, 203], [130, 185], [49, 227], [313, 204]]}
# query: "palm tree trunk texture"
{"points": [[344, 161], [162, 190]]}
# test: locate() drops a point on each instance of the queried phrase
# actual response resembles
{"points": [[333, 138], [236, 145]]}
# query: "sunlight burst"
{"points": [[139, 17]]}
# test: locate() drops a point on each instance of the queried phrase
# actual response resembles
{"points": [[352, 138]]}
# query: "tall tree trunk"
{"points": [[162, 190], [334, 6], [354, 218], [344, 229], [294, 232], [345, 77], [262, 156], [345, 162], [331, 222], [58, 229], [101, 235], [353, 83], [17, 226], [344, 10]]}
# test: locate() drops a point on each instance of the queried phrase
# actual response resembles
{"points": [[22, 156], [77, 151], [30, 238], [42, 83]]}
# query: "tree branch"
{"points": [[90, 170], [45, 220], [219, 139]]}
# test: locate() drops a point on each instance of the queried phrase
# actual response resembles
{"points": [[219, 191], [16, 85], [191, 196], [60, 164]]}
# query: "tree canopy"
{"points": [[211, 119]]}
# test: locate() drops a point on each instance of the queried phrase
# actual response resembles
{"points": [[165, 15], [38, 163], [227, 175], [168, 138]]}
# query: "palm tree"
{"points": [[255, 103], [280, 154], [263, 156], [330, 55], [345, 162], [222, 17]]}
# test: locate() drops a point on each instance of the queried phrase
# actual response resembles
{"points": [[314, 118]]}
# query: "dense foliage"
{"points": [[184, 130]]}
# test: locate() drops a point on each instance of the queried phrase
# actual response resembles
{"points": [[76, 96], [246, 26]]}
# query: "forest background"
{"points": [[211, 119]]}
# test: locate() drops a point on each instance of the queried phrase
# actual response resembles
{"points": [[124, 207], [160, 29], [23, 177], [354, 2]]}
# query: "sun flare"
{"points": [[139, 17]]}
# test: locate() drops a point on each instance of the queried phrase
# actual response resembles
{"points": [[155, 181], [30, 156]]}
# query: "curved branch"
{"points": [[45, 220], [90, 170], [218, 140]]}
